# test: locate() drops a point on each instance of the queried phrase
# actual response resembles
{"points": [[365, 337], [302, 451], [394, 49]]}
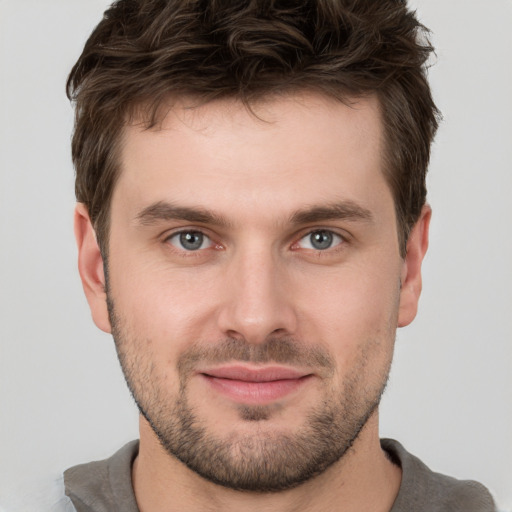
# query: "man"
{"points": [[251, 224]]}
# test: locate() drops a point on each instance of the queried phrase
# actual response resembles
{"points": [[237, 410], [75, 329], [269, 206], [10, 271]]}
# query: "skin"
{"points": [[258, 278]]}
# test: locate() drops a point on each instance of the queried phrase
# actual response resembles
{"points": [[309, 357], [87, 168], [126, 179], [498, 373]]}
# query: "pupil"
{"points": [[321, 240], [191, 240]]}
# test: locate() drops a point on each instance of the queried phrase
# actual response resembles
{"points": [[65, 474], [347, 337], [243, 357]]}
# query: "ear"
{"points": [[90, 266], [417, 246]]}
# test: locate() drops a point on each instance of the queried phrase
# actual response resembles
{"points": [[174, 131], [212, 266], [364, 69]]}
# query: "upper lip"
{"points": [[247, 374]]}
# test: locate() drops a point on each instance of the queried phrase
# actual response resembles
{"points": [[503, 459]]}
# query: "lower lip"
{"points": [[256, 393]]}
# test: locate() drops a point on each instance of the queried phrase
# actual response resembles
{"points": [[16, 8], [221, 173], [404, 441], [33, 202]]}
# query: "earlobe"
{"points": [[90, 267], [417, 246]]}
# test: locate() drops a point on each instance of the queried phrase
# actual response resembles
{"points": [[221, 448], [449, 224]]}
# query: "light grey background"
{"points": [[62, 396]]}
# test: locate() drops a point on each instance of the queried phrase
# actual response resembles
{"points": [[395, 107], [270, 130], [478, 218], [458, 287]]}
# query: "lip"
{"points": [[255, 386]]}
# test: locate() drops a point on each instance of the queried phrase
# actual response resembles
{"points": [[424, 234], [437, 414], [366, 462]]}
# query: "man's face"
{"points": [[255, 284]]}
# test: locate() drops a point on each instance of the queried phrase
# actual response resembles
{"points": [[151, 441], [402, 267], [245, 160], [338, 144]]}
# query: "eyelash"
{"points": [[342, 241], [191, 253], [336, 239]]}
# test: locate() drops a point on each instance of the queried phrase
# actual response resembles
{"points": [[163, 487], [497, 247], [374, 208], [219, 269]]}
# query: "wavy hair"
{"points": [[145, 51]]}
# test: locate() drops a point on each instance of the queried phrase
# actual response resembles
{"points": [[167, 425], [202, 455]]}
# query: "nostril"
{"points": [[234, 335]]}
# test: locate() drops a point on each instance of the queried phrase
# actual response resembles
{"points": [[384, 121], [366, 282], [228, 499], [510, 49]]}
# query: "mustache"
{"points": [[274, 350]]}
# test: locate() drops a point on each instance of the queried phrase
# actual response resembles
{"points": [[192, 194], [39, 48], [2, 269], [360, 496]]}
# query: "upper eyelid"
{"points": [[336, 233], [309, 231], [181, 231], [169, 233], [167, 238], [182, 251], [345, 240], [295, 238]]}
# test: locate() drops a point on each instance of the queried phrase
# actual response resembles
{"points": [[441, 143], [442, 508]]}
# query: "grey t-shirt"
{"points": [[106, 486]]}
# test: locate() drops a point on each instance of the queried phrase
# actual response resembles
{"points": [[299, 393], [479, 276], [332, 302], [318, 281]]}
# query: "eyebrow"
{"points": [[162, 211], [343, 210]]}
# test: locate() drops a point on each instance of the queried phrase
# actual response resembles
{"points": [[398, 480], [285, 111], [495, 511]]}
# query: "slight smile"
{"points": [[255, 386]]}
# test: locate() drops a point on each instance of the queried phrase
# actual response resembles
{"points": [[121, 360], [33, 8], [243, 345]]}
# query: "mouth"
{"points": [[255, 386]]}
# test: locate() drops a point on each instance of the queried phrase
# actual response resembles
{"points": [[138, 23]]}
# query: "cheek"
{"points": [[167, 306], [353, 298], [352, 309]]}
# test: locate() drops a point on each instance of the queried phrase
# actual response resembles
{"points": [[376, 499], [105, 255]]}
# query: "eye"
{"points": [[320, 240], [190, 240]]}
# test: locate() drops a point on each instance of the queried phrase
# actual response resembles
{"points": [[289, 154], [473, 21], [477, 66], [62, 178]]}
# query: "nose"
{"points": [[257, 303]]}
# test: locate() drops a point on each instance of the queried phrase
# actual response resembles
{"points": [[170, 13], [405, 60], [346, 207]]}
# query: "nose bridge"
{"points": [[256, 303]]}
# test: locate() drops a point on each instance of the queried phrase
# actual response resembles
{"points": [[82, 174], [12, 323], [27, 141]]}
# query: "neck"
{"points": [[363, 480]]}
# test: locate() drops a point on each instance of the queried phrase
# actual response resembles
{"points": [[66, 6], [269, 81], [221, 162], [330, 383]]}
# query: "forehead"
{"points": [[285, 148]]}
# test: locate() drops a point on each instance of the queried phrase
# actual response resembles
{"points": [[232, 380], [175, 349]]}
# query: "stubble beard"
{"points": [[263, 460]]}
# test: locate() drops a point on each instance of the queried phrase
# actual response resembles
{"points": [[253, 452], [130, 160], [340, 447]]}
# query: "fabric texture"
{"points": [[106, 486], [423, 490]]}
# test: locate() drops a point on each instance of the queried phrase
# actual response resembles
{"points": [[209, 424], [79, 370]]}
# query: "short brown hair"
{"points": [[144, 51]]}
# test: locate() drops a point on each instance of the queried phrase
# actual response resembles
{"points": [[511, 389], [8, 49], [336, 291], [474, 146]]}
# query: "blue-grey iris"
{"points": [[321, 240], [191, 240]]}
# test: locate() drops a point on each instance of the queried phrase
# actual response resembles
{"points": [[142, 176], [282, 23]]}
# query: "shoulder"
{"points": [[104, 485], [44, 495], [425, 490]]}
